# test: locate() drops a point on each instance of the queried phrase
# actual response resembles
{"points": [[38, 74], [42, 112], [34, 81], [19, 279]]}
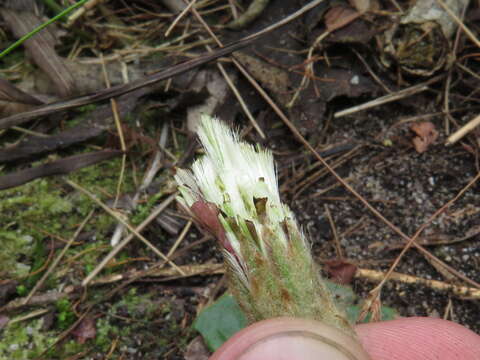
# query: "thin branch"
{"points": [[58, 258], [126, 224], [125, 241]]}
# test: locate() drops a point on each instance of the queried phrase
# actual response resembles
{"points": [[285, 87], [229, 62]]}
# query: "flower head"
{"points": [[233, 192]]}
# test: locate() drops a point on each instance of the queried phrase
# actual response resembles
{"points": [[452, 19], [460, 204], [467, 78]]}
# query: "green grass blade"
{"points": [[41, 27]]}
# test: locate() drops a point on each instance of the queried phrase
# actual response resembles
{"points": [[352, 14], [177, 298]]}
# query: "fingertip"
{"points": [[419, 339], [289, 339]]}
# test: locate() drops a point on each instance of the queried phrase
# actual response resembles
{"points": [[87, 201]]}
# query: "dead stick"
{"points": [[464, 130], [378, 276], [412, 90], [125, 241]]}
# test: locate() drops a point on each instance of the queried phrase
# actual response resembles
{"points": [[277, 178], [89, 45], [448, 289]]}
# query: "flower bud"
{"points": [[233, 192]]}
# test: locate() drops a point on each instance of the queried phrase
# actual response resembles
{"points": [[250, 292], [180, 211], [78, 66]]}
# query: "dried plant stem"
{"points": [[378, 276], [40, 28], [118, 90], [464, 130], [86, 5], [33, 314], [125, 241], [282, 22], [394, 96], [254, 10], [459, 22], [126, 224], [155, 166], [361, 273], [239, 97], [179, 239], [179, 17], [309, 71], [168, 274], [219, 269], [58, 258], [118, 125], [338, 246]]}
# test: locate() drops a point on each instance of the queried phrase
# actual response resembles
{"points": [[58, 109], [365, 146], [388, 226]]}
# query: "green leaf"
{"points": [[342, 294], [348, 300], [221, 320], [218, 322], [41, 27]]}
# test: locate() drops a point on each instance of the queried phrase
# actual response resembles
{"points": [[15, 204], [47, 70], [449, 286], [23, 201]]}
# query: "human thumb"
{"points": [[419, 338], [408, 338], [287, 338]]}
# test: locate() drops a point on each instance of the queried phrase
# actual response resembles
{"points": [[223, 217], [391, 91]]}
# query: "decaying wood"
{"points": [[37, 300], [9, 92], [99, 121], [40, 48], [13, 100]]}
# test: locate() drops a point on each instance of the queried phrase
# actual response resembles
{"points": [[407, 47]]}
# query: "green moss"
{"points": [[140, 317], [70, 348], [87, 108], [105, 332], [143, 210], [30, 212], [136, 306], [65, 315], [26, 214], [132, 318], [103, 176], [28, 340], [25, 341], [22, 290]]}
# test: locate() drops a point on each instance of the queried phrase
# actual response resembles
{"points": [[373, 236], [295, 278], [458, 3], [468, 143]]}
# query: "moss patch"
{"points": [[25, 341], [29, 213]]}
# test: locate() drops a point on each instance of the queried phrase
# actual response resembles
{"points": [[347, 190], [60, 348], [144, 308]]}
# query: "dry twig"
{"points": [[58, 258], [126, 224], [155, 212], [464, 130], [460, 291]]}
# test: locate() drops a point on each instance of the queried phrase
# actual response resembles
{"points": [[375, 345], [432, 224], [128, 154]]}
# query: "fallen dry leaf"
{"points": [[340, 271], [197, 350], [41, 47], [426, 135], [339, 16], [85, 330], [13, 100]]}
